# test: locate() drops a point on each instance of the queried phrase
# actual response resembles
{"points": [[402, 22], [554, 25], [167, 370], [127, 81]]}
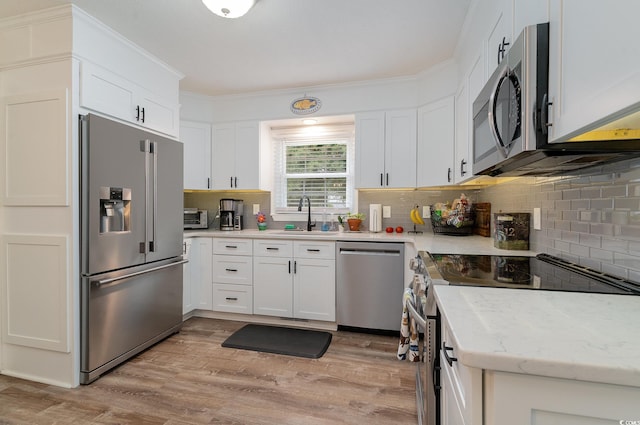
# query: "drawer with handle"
{"points": [[232, 298], [272, 248], [232, 269], [229, 246], [312, 249]]}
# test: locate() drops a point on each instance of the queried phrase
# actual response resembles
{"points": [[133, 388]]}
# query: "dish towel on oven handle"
{"points": [[408, 331]]}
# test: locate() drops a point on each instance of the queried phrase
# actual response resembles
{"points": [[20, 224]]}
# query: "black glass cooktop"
{"points": [[543, 272]]}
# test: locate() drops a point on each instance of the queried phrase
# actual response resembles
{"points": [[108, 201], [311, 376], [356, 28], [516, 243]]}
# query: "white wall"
{"points": [[409, 92]]}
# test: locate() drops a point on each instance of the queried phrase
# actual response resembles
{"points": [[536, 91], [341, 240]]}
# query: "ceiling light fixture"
{"points": [[229, 8], [309, 121]]}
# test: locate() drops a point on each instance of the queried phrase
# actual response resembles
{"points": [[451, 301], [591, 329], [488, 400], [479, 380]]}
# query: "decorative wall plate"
{"points": [[305, 105]]}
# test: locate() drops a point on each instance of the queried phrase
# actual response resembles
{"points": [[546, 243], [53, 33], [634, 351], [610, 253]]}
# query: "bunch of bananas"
{"points": [[416, 218]]}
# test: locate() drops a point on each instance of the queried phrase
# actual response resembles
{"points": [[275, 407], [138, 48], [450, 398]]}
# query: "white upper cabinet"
{"points": [[463, 147], [436, 143], [527, 12], [370, 150], [104, 91], [509, 19], [594, 63], [386, 149], [236, 156], [196, 137], [500, 35]]}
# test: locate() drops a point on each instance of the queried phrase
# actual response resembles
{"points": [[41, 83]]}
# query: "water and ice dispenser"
{"points": [[115, 209]]}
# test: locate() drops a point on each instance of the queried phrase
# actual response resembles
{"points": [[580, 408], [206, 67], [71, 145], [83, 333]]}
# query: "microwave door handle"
{"points": [[493, 120]]}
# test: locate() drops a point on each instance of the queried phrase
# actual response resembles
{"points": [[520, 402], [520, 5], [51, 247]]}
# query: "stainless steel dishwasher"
{"points": [[369, 285]]}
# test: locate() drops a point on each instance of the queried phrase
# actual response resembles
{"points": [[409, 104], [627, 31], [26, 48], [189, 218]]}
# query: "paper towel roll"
{"points": [[375, 217]]}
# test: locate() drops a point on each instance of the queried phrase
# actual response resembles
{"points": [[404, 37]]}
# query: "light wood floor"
{"points": [[189, 378]]}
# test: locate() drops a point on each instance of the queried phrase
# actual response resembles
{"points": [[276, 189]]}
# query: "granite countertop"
{"points": [[422, 242], [588, 337]]}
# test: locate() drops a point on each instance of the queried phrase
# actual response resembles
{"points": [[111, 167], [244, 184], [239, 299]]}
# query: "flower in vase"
{"points": [[261, 217]]}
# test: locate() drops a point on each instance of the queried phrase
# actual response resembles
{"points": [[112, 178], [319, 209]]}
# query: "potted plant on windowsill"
{"points": [[354, 220]]}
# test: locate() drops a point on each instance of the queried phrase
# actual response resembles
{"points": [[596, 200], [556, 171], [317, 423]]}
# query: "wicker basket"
{"points": [[453, 222]]}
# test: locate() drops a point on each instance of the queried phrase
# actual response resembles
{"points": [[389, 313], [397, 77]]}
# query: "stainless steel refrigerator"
{"points": [[131, 242]]}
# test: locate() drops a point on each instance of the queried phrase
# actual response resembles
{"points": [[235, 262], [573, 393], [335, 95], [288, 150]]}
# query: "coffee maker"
{"points": [[231, 211]]}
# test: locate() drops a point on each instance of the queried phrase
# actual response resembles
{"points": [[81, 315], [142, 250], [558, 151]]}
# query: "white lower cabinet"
{"points": [[200, 265], [471, 396], [196, 275], [512, 398], [294, 279], [232, 276], [187, 286], [461, 393]]}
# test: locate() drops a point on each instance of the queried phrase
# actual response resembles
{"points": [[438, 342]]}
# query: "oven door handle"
{"points": [[416, 316]]}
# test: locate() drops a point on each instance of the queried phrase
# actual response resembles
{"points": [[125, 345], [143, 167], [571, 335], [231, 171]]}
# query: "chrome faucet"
{"points": [[309, 225]]}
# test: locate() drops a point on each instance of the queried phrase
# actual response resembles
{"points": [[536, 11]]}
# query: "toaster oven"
{"points": [[195, 218]]}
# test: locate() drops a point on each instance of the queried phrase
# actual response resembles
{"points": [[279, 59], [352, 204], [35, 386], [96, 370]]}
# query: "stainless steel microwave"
{"points": [[510, 120], [195, 218], [509, 114]]}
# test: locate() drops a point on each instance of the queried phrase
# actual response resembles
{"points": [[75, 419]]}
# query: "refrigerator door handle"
{"points": [[127, 276], [153, 244], [145, 146]]}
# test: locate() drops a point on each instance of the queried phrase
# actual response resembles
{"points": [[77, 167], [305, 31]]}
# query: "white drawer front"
{"points": [[233, 298], [272, 248], [311, 249], [232, 269], [233, 246]]}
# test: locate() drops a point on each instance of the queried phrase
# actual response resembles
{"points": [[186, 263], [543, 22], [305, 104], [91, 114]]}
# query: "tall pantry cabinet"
{"points": [[45, 58]]}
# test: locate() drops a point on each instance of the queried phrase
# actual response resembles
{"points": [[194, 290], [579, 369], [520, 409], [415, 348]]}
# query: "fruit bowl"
{"points": [[458, 222]]}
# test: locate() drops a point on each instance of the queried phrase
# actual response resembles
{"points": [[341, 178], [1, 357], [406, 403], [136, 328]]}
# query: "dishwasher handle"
{"points": [[360, 251]]}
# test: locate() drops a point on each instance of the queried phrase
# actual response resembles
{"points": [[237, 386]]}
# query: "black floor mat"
{"points": [[274, 339]]}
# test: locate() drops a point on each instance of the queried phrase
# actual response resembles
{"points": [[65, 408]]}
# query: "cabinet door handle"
{"points": [[143, 115], [295, 267], [544, 114], [231, 298], [232, 270], [462, 164], [184, 248], [449, 360], [231, 246], [272, 248], [208, 183], [312, 250], [381, 179], [387, 179], [231, 181], [449, 174], [502, 49], [235, 182], [289, 266], [138, 113]]}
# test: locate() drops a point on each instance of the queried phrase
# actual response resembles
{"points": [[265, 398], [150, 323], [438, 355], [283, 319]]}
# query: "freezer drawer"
{"points": [[127, 311]]}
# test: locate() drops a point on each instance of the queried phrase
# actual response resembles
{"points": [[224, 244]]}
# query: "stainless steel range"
{"points": [[542, 272]]}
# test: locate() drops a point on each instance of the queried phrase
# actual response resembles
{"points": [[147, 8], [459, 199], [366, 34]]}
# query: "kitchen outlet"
{"points": [[256, 209], [426, 211], [386, 211], [536, 219]]}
